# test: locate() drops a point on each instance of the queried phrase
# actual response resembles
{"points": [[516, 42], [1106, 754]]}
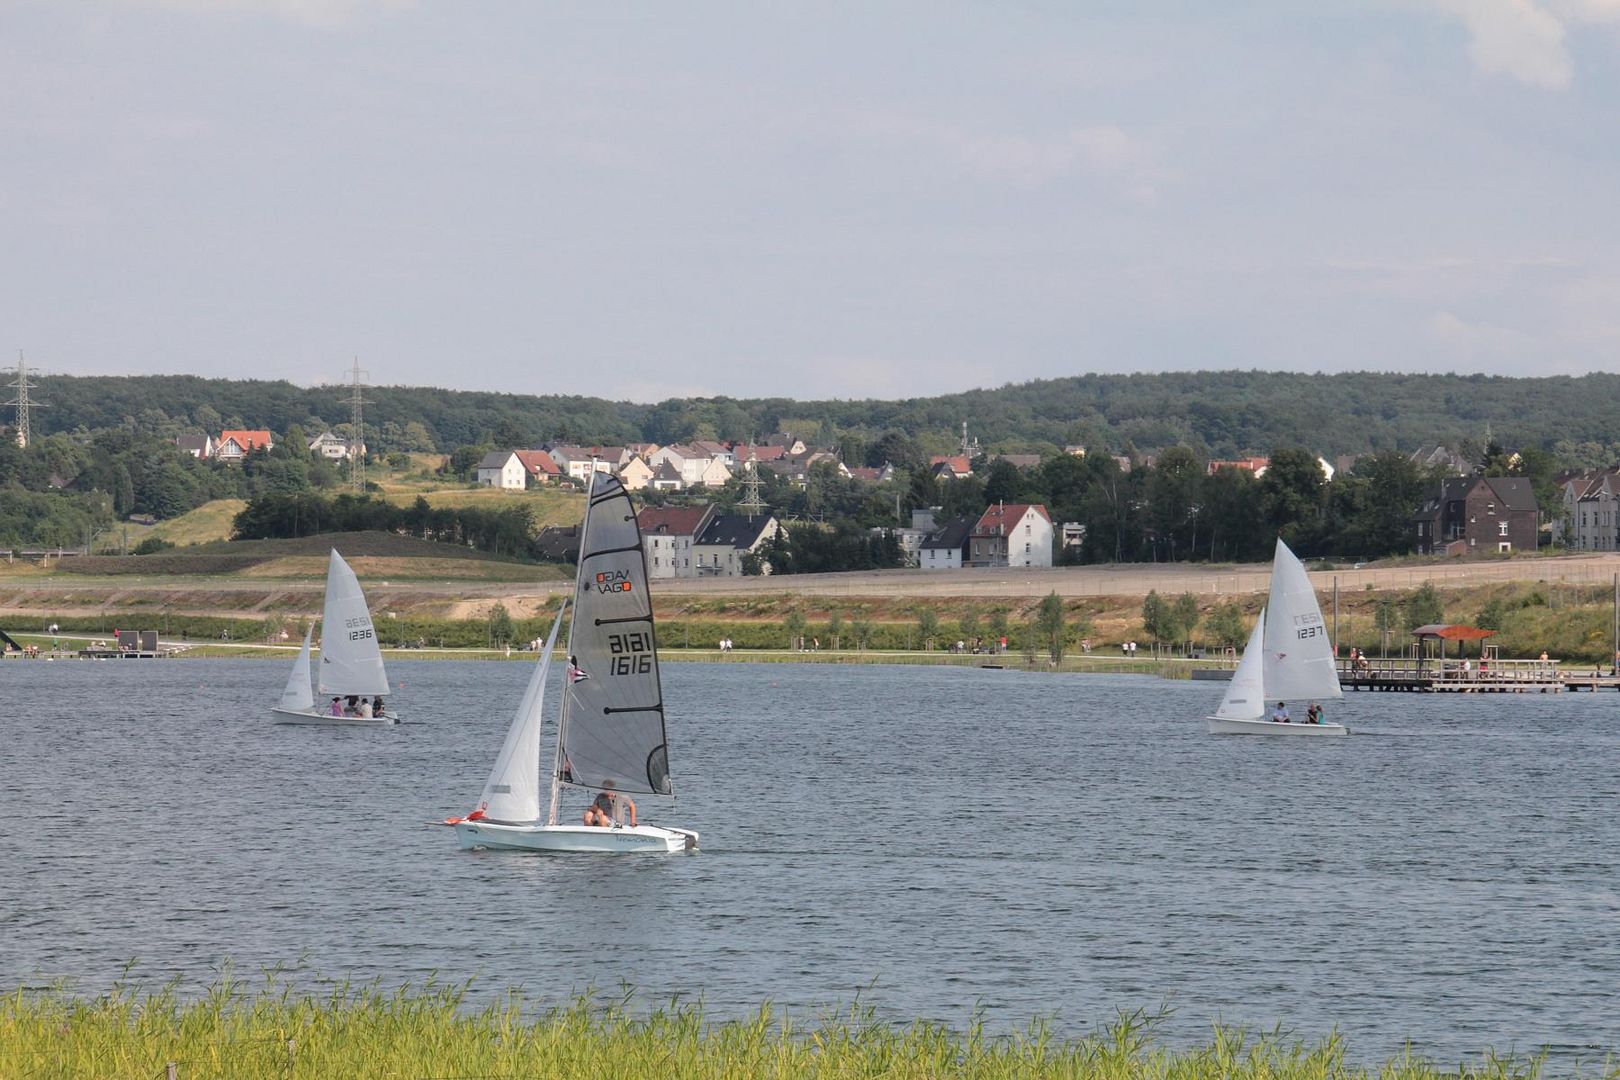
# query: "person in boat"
{"points": [[604, 808], [377, 706], [352, 706], [1313, 715], [337, 707], [364, 710], [1280, 715]]}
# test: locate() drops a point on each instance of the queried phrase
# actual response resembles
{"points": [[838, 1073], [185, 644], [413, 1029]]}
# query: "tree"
{"points": [[1185, 611], [793, 623], [999, 625], [1224, 626], [1291, 497], [1158, 620], [861, 627], [927, 626], [835, 628], [968, 624], [1049, 626], [1423, 607], [501, 629]]}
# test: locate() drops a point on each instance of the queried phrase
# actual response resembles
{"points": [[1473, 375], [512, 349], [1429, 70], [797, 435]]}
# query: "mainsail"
{"points": [[351, 662], [1245, 696], [297, 696], [512, 794], [1299, 656], [612, 733]]}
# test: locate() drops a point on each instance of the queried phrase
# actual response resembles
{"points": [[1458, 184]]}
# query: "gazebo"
{"points": [[1444, 632]]}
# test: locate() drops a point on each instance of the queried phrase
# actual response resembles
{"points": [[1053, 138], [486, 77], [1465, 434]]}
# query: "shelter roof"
{"points": [[1451, 632]]}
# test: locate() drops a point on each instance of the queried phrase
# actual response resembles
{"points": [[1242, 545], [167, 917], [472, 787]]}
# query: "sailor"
{"points": [[604, 809], [1280, 716]]}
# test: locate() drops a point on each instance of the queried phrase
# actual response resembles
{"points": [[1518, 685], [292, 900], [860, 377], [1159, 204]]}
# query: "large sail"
{"points": [[351, 662], [1299, 656], [1245, 695], [297, 696], [512, 794], [613, 727]]}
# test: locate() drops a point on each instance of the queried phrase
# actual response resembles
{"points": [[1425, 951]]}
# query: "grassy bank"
{"points": [[275, 1034]]}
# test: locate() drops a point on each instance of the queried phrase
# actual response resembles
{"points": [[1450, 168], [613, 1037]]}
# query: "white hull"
{"points": [[315, 719], [620, 839], [1221, 726]]}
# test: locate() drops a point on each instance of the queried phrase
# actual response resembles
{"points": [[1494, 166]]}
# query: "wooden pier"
{"points": [[1431, 675]]}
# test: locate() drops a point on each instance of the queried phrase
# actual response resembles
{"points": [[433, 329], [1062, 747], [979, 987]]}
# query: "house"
{"points": [[574, 462], [198, 446], [538, 468], [717, 450], [911, 539], [745, 453], [332, 447], [1591, 511], [714, 474], [957, 466], [1255, 466], [1442, 459], [720, 548], [635, 474], [668, 536], [687, 461], [558, 543], [790, 444], [666, 478], [1074, 534], [945, 548], [502, 469], [1075, 450], [1011, 534], [233, 446], [1485, 513], [868, 475]]}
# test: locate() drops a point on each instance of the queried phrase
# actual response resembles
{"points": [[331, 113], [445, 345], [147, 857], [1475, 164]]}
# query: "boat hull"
{"points": [[618, 840], [314, 719], [1221, 726]]}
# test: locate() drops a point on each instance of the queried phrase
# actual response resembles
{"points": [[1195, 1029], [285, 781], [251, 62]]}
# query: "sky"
{"points": [[834, 200]]}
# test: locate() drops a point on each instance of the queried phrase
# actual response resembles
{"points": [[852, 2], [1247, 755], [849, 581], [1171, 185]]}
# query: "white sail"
{"points": [[351, 662], [512, 794], [297, 696], [1299, 656], [1246, 695]]}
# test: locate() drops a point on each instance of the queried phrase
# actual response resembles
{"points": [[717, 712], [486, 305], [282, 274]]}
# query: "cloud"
{"points": [[1023, 160], [326, 14], [1476, 339], [1517, 38]]}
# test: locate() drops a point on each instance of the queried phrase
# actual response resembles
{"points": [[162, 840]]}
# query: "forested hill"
{"points": [[1222, 413]]}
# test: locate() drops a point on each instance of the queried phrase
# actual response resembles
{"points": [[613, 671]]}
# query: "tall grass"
{"points": [[274, 1034]]}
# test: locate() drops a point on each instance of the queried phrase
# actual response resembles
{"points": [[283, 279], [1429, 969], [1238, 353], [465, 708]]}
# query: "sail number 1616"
{"points": [[632, 653]]}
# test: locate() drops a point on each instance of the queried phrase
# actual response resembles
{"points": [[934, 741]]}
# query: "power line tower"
{"points": [[357, 421], [751, 503], [23, 402]]}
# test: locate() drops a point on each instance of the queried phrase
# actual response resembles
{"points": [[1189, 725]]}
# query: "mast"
{"points": [[568, 685]]}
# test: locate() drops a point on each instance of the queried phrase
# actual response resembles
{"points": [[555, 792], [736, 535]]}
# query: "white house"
{"points": [[635, 474], [1012, 534], [233, 446], [720, 548], [198, 446], [502, 469], [331, 447], [943, 547], [669, 535]]}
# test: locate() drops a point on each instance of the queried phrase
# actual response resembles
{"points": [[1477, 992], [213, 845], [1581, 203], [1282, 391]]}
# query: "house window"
{"points": [[1501, 528], [1490, 508], [1026, 549]]}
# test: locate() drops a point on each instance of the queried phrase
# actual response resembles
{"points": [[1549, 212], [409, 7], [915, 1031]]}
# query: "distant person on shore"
{"points": [[1280, 714]]}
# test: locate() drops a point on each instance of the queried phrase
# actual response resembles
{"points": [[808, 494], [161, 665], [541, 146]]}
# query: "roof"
{"points": [[951, 535], [666, 472], [538, 461], [958, 463], [495, 459], [735, 530], [1514, 492], [247, 440], [1451, 632], [1000, 517], [673, 520], [762, 453], [559, 543], [191, 442]]}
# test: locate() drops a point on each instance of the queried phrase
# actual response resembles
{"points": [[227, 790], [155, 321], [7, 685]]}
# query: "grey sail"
{"points": [[613, 723]]}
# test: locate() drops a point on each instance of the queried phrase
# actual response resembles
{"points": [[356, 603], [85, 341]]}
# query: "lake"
{"points": [[936, 840]]}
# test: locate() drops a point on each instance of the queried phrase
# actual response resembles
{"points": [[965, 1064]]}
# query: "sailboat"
{"points": [[610, 729], [1288, 658], [351, 662]]}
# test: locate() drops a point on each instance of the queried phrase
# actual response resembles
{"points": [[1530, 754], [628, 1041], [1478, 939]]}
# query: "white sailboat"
{"points": [[610, 731], [1288, 658], [351, 662]]}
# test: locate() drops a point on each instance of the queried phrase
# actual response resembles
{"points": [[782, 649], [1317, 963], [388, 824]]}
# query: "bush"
{"points": [[152, 545]]}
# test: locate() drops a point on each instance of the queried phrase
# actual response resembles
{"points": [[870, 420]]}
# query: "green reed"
{"points": [[274, 1033]]}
